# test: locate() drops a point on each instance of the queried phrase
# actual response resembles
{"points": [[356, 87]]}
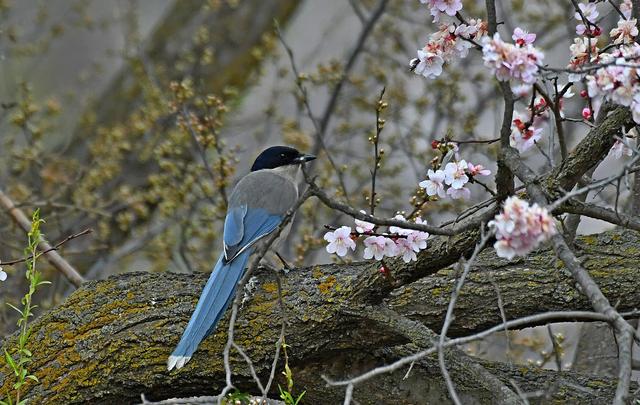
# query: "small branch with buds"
{"points": [[377, 152]]}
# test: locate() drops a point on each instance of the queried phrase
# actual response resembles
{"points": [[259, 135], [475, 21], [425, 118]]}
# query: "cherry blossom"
{"points": [[418, 239], [429, 64], [445, 45], [379, 247], [523, 136], [477, 170], [435, 184], [511, 62], [459, 193], [448, 7], [521, 227], [340, 241], [581, 50], [618, 80], [363, 226], [405, 249], [454, 174], [522, 37], [591, 14], [625, 32], [586, 113], [3, 275], [412, 241], [625, 8]]}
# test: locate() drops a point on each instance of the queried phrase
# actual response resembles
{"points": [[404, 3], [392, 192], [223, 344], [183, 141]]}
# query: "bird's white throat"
{"points": [[291, 172]]}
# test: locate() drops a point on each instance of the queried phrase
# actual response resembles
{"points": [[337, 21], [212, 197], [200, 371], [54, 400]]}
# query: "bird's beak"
{"points": [[305, 158]]}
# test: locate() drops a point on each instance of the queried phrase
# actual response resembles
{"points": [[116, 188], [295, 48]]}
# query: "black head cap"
{"points": [[277, 156]]}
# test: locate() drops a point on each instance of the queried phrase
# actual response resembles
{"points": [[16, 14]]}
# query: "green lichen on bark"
{"points": [[108, 342]]}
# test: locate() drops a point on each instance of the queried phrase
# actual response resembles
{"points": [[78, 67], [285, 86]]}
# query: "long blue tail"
{"points": [[213, 302]]}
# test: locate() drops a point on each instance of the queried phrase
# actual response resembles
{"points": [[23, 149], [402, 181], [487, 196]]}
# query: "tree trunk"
{"points": [[109, 341]]}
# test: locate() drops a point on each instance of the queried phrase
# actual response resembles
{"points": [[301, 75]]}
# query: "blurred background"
{"points": [[135, 119]]}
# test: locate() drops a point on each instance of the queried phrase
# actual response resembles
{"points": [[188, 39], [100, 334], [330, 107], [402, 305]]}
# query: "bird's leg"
{"points": [[284, 262]]}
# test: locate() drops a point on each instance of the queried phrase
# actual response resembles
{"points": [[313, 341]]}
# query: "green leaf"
{"points": [[15, 308], [9, 359], [300, 397], [34, 378]]}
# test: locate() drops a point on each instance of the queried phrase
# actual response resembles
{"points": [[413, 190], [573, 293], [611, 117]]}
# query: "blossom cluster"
{"points": [[448, 43], [455, 175], [398, 242], [521, 227], [512, 62], [618, 79], [438, 7]]}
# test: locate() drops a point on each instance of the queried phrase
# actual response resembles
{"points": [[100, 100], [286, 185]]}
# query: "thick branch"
{"points": [[109, 341]]}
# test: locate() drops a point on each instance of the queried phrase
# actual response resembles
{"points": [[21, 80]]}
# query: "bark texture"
{"points": [[108, 342]]}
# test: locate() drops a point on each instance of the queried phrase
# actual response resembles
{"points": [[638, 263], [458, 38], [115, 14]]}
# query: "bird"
{"points": [[257, 206]]}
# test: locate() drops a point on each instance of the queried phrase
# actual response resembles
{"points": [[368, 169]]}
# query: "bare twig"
{"points": [[466, 267], [52, 248], [377, 155], [52, 256]]}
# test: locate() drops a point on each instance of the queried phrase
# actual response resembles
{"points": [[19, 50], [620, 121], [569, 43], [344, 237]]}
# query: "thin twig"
{"points": [[52, 248], [52, 256], [466, 268]]}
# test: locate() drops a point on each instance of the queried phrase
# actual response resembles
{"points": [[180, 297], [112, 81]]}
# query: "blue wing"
{"points": [[243, 227]]}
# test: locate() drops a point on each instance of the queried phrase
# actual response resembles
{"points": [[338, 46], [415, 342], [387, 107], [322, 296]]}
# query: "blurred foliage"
{"points": [[153, 157]]}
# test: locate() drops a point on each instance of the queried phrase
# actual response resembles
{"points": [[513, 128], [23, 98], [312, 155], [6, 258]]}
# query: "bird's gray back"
{"points": [[265, 189]]}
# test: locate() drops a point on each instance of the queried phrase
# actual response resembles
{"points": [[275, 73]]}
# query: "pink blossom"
{"points": [[435, 184], [581, 50], [429, 64], [625, 32], [617, 83], [363, 226], [455, 174], [590, 13], [404, 248], [510, 62], [522, 37], [477, 170], [625, 8], [521, 227], [449, 7], [586, 113], [378, 247], [340, 241], [459, 193], [522, 136], [445, 45], [411, 242]]}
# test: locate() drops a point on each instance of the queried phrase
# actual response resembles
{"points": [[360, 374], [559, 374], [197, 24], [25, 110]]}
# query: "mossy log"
{"points": [[108, 342]]}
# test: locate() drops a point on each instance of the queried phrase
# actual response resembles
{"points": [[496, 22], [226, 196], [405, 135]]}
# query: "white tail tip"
{"points": [[177, 361]]}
